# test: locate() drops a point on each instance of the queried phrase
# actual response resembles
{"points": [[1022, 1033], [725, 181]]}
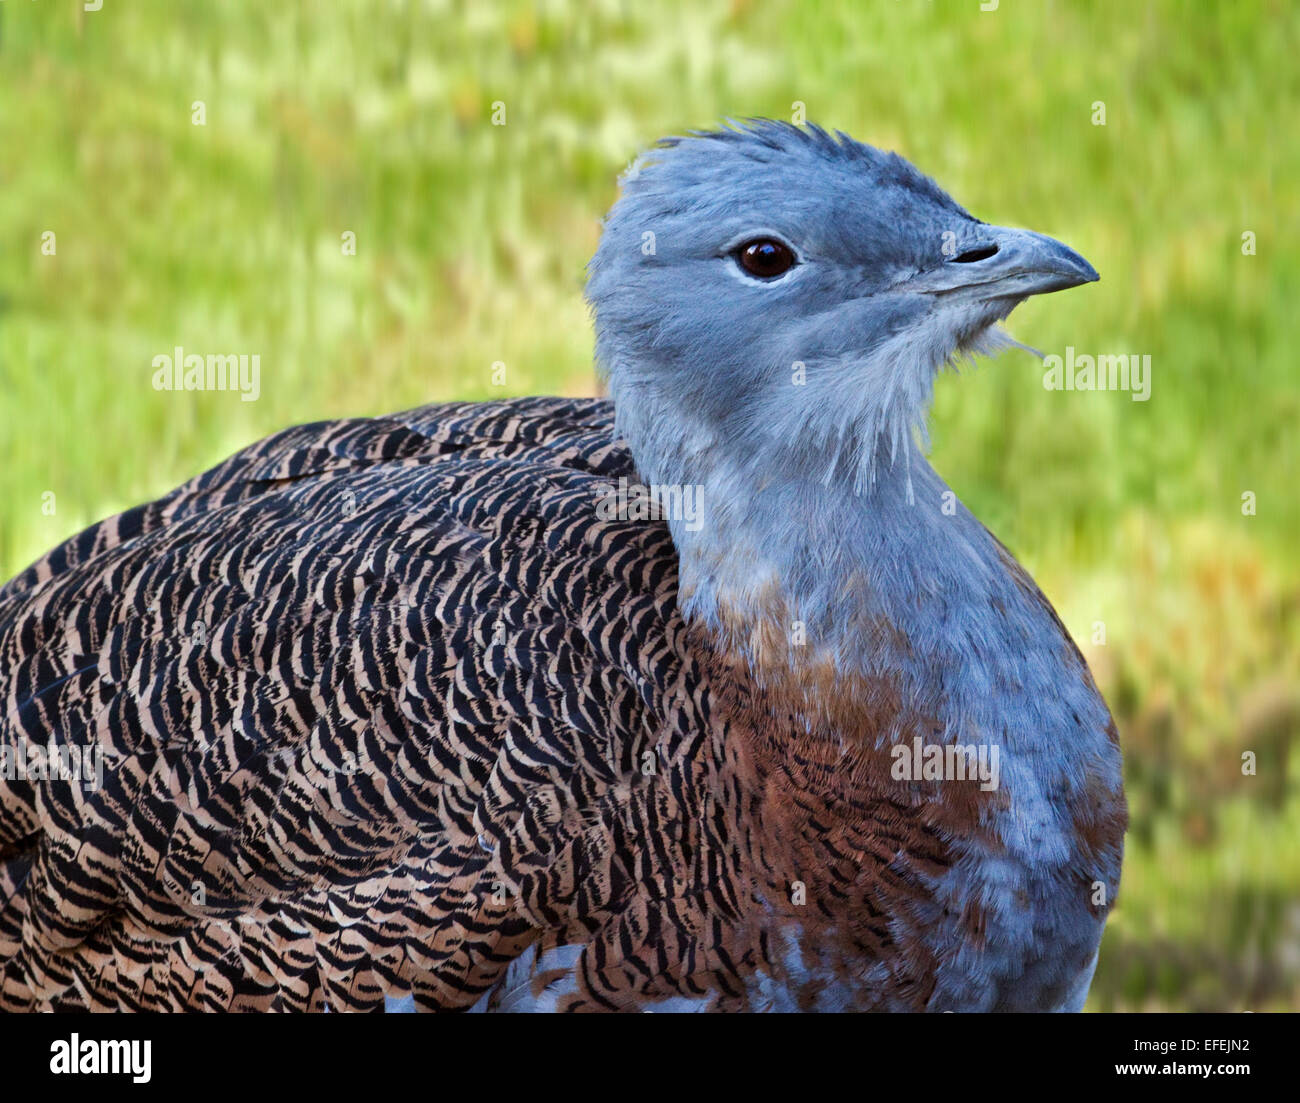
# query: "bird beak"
{"points": [[1001, 263]]}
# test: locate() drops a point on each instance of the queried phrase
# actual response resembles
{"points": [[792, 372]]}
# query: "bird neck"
{"points": [[790, 566], [886, 591]]}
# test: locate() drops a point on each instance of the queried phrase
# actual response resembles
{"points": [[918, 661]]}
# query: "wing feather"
{"points": [[332, 680]]}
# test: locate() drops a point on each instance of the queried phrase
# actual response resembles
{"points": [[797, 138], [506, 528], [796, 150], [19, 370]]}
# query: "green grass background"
{"points": [[471, 241]]}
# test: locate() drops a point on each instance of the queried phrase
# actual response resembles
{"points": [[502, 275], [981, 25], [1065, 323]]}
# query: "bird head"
{"points": [[789, 295]]}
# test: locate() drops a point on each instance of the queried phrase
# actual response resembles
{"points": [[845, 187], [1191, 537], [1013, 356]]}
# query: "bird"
{"points": [[706, 695]]}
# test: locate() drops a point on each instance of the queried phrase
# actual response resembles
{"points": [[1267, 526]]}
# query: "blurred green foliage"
{"points": [[375, 118]]}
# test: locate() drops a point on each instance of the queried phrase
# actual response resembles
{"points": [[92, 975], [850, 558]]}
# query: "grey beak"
{"points": [[997, 262]]}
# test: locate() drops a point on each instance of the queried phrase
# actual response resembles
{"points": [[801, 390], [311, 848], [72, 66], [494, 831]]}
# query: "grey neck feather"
{"points": [[895, 578], [850, 526]]}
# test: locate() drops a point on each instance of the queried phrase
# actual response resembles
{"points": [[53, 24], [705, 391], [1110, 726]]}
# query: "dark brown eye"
{"points": [[765, 258]]}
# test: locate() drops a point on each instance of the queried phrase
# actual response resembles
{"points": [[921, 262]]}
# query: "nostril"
{"points": [[981, 252]]}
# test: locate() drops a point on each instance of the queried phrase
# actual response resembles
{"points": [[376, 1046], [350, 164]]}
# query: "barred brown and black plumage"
{"points": [[349, 683], [395, 707]]}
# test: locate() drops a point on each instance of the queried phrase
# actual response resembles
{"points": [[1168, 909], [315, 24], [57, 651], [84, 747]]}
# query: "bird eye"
{"points": [[765, 258]]}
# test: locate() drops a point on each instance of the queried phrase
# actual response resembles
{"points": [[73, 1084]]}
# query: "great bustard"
{"points": [[710, 697]]}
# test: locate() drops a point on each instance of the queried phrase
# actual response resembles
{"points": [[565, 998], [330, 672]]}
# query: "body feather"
{"points": [[385, 704]]}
